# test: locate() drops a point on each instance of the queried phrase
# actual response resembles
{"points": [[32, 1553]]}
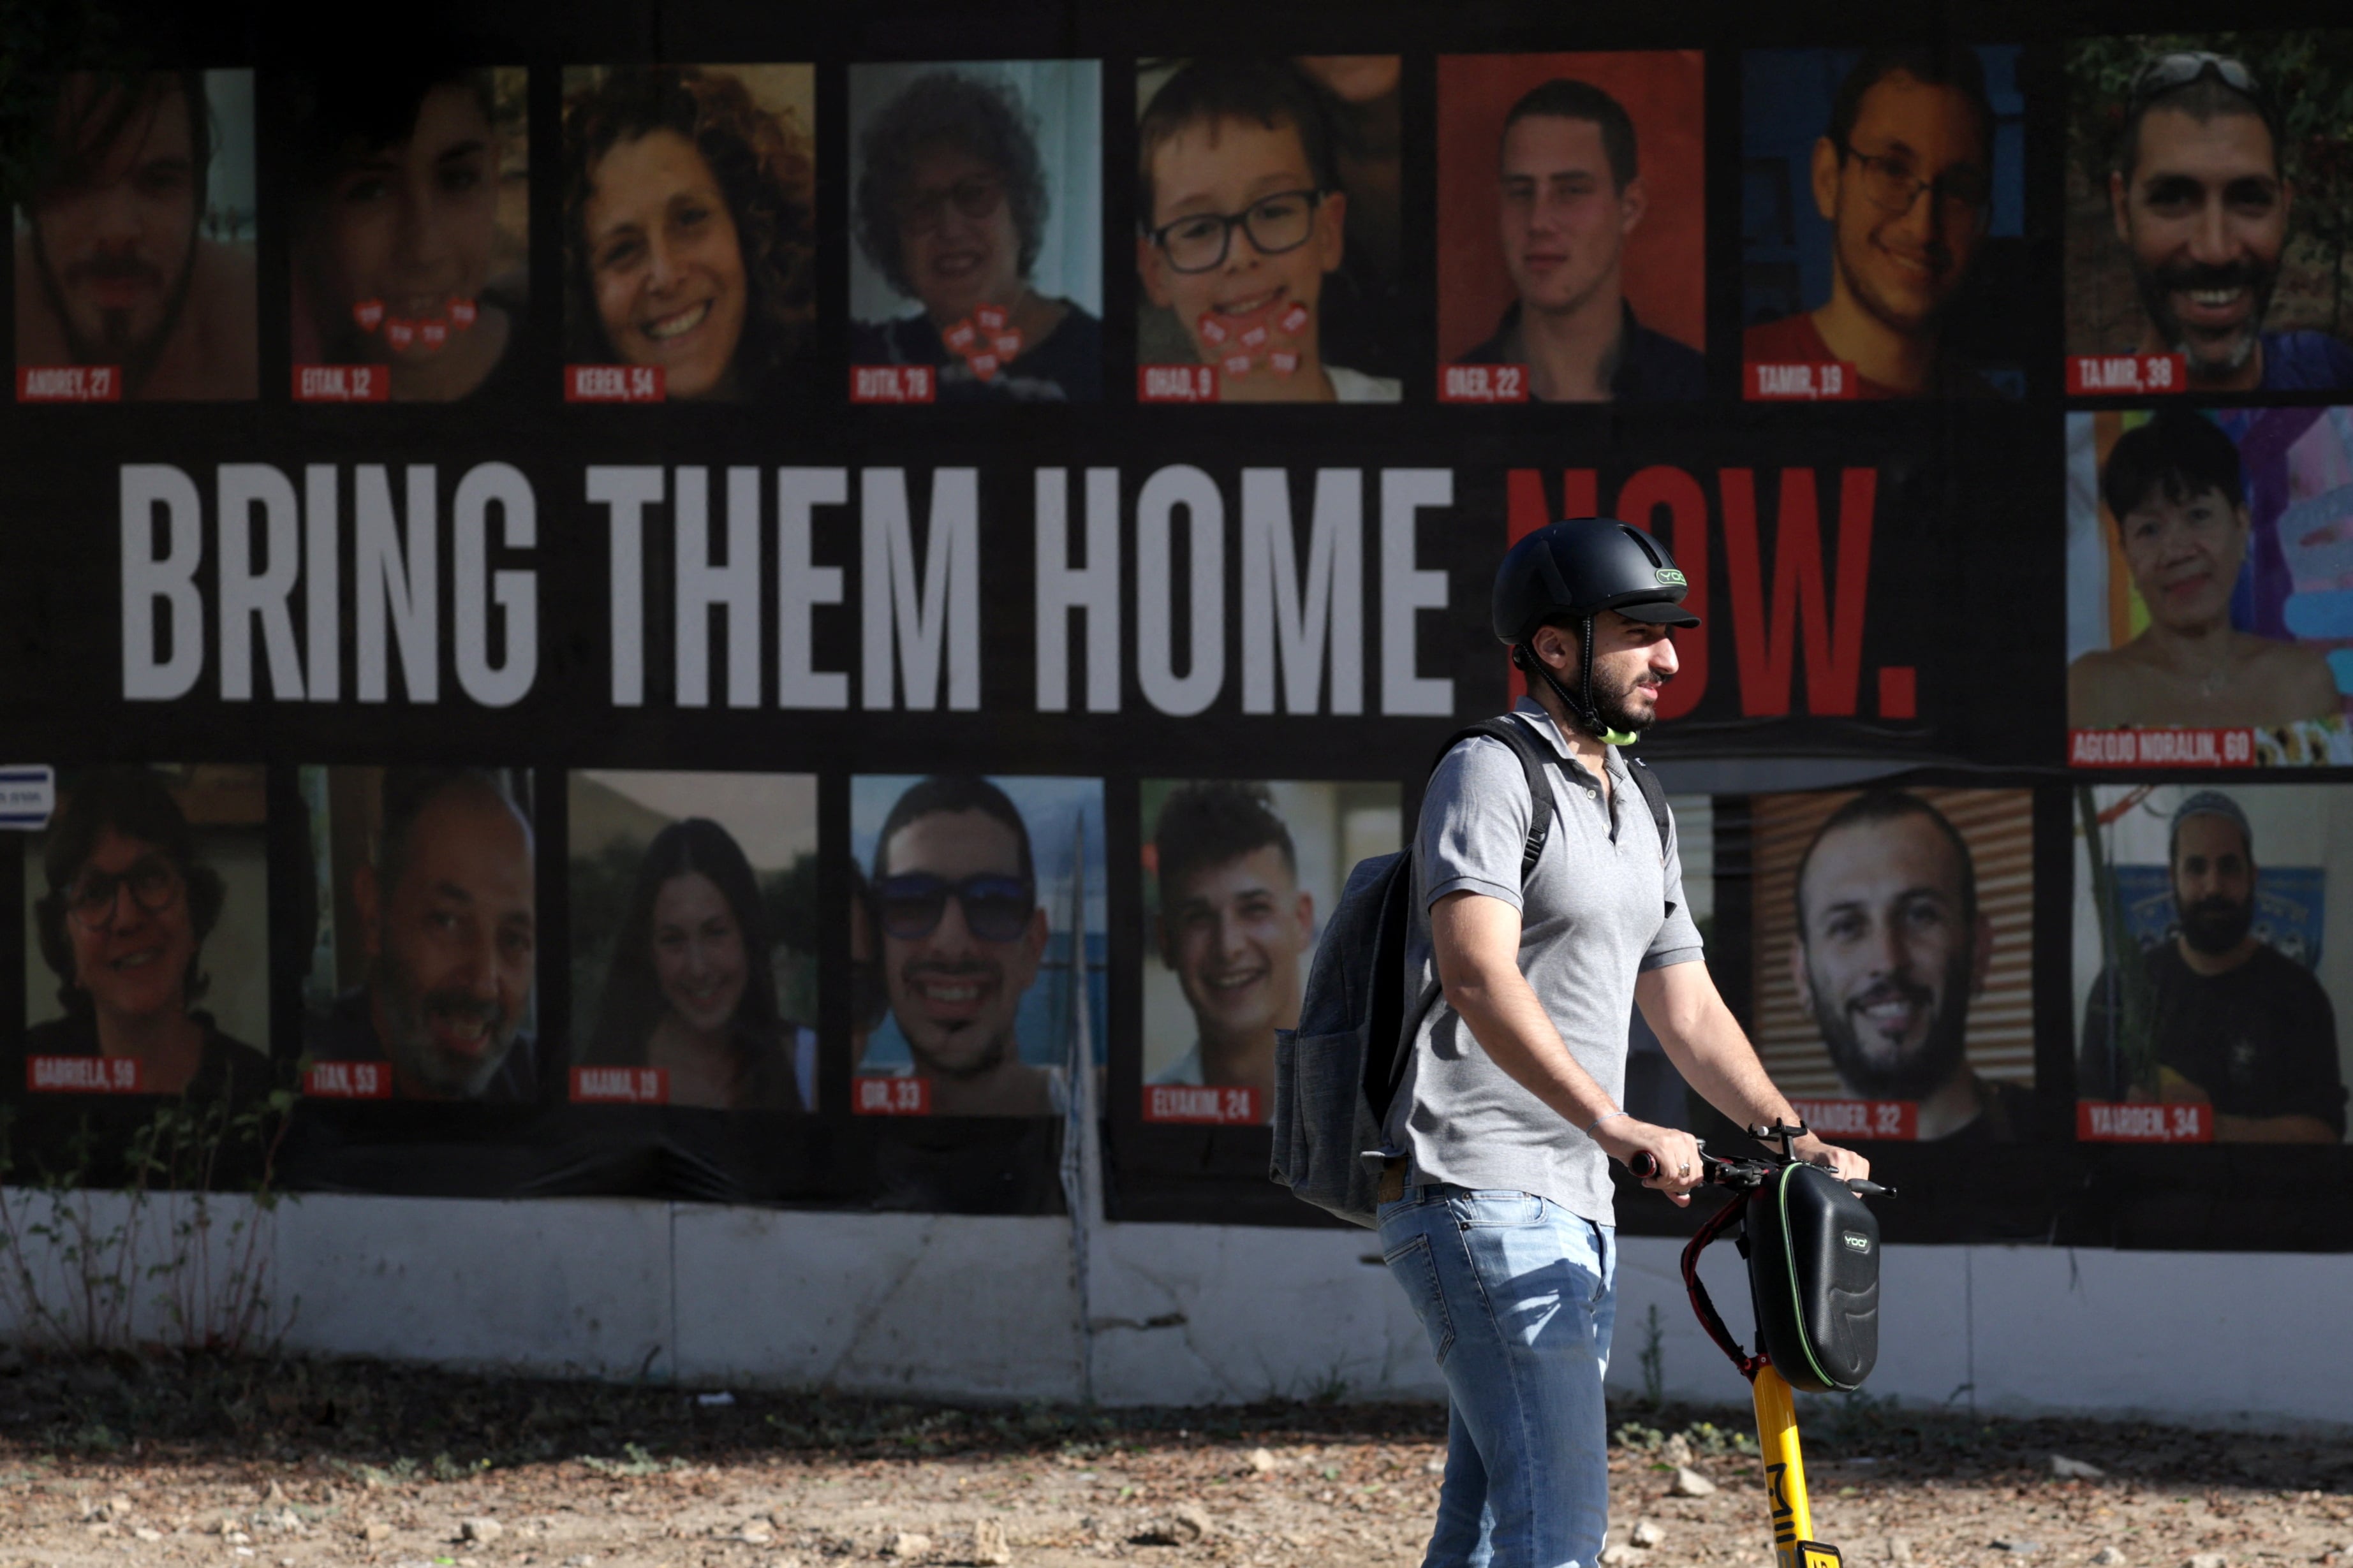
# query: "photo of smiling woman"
{"points": [[138, 909], [689, 242], [694, 944], [686, 990], [411, 246], [978, 199], [2204, 551]]}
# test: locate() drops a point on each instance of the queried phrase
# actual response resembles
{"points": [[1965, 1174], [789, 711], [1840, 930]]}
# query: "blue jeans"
{"points": [[1518, 1297]]}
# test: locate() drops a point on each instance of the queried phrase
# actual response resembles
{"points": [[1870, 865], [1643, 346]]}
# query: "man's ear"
{"points": [[1306, 915], [1826, 177], [1147, 268], [1563, 644], [2118, 202], [367, 902], [1632, 203], [1981, 962]]}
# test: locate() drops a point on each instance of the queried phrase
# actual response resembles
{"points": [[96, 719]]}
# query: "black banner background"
{"points": [[1966, 586]]}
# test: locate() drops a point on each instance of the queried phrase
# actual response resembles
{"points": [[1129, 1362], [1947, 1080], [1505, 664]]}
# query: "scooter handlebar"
{"points": [[1645, 1165]]}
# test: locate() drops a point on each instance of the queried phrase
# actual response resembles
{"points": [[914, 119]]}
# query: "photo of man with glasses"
{"points": [[2201, 204], [130, 904], [1242, 223], [962, 927], [1903, 175], [976, 198]]}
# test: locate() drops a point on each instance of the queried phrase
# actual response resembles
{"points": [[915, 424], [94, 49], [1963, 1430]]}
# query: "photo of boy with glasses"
{"points": [[976, 191], [1912, 177], [965, 902], [1242, 221], [2194, 195]]}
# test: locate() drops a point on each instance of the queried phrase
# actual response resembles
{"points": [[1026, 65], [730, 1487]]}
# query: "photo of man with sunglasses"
{"points": [[129, 906], [984, 212], [2200, 202], [1242, 222], [962, 934], [1904, 174]]}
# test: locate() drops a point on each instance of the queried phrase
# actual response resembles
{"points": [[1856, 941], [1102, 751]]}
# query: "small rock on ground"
{"points": [[1689, 1483], [908, 1544], [484, 1531], [1646, 1534], [2067, 1469], [989, 1547]]}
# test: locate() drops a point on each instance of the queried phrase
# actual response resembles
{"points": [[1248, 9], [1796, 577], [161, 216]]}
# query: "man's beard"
{"points": [[114, 345], [993, 1053], [409, 1015], [2156, 286], [1941, 1053], [1614, 705], [2216, 925]]}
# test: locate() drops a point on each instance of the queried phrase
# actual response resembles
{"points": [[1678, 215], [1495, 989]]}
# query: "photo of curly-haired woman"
{"points": [[690, 227]]}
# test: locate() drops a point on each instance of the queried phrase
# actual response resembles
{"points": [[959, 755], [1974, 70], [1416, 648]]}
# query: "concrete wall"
{"points": [[967, 1307]]}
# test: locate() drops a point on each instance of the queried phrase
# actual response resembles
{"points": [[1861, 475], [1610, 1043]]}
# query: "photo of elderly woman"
{"points": [[152, 884], [411, 242], [697, 960], [690, 232], [977, 198]]}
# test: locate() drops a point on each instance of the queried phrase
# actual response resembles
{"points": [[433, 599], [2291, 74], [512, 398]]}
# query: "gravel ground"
{"points": [[293, 1464]]}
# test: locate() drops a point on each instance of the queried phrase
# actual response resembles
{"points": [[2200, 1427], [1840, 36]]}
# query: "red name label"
{"points": [[1197, 1104], [894, 383], [620, 1086], [1891, 1121], [890, 1096], [612, 383], [1176, 384], [2095, 375], [82, 1075], [342, 383], [1830, 381], [2105, 1121], [1483, 384], [348, 1080], [2161, 748], [68, 383]]}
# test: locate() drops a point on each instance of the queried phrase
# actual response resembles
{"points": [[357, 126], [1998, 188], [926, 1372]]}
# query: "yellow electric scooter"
{"points": [[1813, 1276]]}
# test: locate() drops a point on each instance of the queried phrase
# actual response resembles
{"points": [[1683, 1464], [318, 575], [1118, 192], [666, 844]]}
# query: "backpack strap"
{"points": [[1535, 760], [1655, 794]]}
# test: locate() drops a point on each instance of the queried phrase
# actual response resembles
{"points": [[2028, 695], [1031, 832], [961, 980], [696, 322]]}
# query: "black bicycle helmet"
{"points": [[1577, 569]]}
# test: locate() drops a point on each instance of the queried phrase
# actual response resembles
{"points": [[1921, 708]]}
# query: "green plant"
{"points": [[1653, 1359], [189, 1220]]}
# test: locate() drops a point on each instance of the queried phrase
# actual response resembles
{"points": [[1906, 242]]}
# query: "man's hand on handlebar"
{"points": [[1844, 1163], [1675, 1153]]}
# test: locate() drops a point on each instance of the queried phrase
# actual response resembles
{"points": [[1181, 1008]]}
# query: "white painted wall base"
{"points": [[966, 1307]]}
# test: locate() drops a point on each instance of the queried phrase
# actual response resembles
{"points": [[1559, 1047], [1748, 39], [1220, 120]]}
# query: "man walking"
{"points": [[1496, 1199]]}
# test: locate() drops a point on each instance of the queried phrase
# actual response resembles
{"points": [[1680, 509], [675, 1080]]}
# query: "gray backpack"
{"points": [[1335, 1074]]}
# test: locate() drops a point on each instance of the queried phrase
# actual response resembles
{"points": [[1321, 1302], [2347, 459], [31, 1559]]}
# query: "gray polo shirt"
{"points": [[1602, 906]]}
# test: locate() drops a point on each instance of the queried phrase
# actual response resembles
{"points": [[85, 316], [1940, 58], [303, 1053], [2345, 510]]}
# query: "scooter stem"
{"points": [[1784, 1475]]}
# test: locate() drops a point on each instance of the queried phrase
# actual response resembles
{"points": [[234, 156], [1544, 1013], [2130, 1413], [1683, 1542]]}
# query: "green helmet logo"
{"points": [[1669, 576]]}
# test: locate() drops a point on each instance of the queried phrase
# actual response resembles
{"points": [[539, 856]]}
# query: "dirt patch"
{"points": [[302, 1464]]}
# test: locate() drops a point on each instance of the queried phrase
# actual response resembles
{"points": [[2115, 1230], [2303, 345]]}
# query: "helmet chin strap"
{"points": [[1581, 708]]}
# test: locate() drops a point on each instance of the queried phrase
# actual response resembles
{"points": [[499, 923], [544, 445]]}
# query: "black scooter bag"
{"points": [[1813, 1273]]}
